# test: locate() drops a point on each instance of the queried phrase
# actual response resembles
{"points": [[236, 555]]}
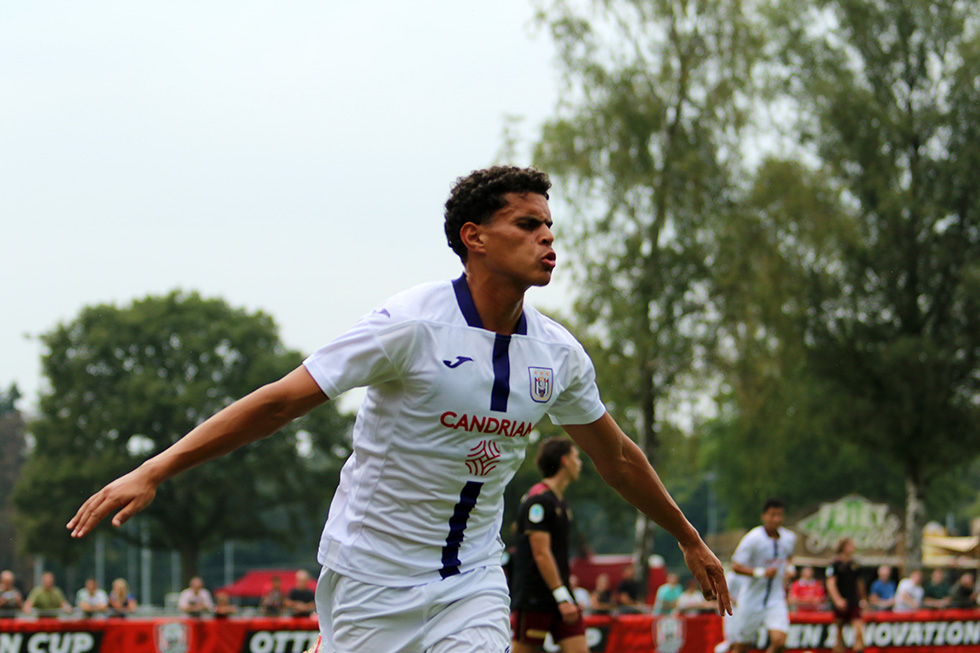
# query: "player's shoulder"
{"points": [[433, 301], [548, 329]]}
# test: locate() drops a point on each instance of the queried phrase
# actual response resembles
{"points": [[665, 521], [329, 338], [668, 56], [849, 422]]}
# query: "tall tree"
{"points": [[125, 383], [889, 106], [646, 140], [12, 450]]}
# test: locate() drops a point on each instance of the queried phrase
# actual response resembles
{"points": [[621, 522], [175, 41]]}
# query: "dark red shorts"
{"points": [[848, 614], [532, 627]]}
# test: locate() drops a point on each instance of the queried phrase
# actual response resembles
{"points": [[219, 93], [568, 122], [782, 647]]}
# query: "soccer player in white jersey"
{"points": [[763, 559], [457, 375]]}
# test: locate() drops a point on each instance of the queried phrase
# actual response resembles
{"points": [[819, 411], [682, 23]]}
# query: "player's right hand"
{"points": [[570, 613], [128, 494]]}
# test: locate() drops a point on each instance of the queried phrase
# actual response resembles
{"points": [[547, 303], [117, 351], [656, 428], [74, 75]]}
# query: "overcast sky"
{"points": [[291, 156]]}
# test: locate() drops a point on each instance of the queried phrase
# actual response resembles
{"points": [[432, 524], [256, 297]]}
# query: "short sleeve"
{"points": [[538, 514], [743, 552], [367, 354], [579, 401]]}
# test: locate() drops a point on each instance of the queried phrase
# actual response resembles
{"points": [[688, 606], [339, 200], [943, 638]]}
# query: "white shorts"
{"points": [[746, 621], [465, 613]]}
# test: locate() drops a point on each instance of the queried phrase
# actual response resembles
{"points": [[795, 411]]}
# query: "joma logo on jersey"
{"points": [[540, 383], [483, 424]]}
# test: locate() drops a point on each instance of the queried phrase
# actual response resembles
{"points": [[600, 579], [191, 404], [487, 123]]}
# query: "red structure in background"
{"points": [[937, 631], [258, 581]]}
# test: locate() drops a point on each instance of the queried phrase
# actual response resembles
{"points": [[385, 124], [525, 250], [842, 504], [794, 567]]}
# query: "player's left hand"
{"points": [[711, 576]]}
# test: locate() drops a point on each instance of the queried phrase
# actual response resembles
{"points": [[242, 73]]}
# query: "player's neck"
{"points": [[558, 484], [500, 305]]}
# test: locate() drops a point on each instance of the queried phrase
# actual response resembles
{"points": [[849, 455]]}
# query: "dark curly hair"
{"points": [[550, 454], [480, 194]]}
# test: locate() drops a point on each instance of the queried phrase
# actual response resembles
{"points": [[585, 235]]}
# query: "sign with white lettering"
{"points": [[872, 526]]}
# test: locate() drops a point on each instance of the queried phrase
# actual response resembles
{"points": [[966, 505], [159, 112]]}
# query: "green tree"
{"points": [[12, 449], [125, 383], [889, 100], [647, 138]]}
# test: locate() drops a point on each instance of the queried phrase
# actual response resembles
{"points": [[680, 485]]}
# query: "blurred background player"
{"points": [[847, 594], [763, 557], [541, 597]]}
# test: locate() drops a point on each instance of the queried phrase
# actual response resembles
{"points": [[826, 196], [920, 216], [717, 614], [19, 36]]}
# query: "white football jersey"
{"points": [[757, 549], [441, 431]]}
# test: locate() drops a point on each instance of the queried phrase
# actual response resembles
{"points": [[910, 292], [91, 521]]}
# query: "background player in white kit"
{"points": [[763, 559], [457, 374]]}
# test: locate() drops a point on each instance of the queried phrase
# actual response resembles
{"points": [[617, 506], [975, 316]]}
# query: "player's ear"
{"points": [[472, 236]]}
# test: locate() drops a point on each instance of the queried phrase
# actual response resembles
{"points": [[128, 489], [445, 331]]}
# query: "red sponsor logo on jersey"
{"points": [[485, 424], [483, 458]]}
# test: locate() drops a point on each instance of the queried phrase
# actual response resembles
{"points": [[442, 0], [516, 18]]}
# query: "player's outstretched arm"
{"points": [[624, 467], [251, 418]]}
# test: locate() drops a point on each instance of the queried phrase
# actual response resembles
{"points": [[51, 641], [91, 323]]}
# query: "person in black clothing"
{"points": [[540, 598], [628, 592], [301, 600], [847, 594], [964, 593]]}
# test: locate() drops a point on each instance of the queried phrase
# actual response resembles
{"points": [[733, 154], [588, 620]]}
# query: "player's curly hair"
{"points": [[550, 454], [477, 196]]}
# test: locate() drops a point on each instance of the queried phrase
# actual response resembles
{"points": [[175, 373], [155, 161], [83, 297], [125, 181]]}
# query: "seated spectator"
{"points": [[223, 607], [580, 594], [121, 600], [11, 600], [91, 599], [302, 599], [602, 598], [908, 596], [964, 593], [936, 592], [806, 594], [195, 600], [882, 593], [46, 598], [628, 592], [692, 601], [273, 600], [665, 600]]}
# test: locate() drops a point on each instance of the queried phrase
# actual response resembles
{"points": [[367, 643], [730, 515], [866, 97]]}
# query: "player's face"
{"points": [[772, 519], [573, 463], [518, 240]]}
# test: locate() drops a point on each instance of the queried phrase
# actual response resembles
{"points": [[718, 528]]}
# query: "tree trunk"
{"points": [[643, 537], [914, 513]]}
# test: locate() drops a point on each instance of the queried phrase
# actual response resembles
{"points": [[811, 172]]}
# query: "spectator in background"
{"points": [[665, 601], [121, 600], [580, 594], [908, 596], [274, 600], [46, 598], [602, 598], [935, 594], [806, 594], [302, 599], [195, 600], [91, 599], [692, 601], [846, 590], [11, 600], [882, 594], [964, 593], [628, 592], [223, 607]]}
